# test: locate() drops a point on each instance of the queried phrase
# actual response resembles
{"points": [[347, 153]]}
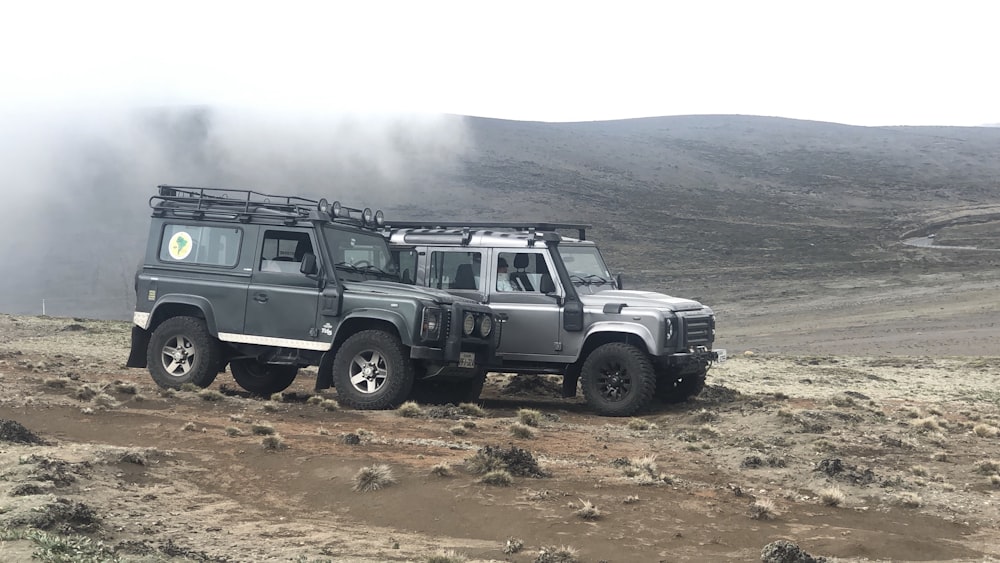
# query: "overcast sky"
{"points": [[857, 62]]}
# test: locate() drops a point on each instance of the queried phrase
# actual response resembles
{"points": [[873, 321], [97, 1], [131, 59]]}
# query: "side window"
{"points": [[282, 251], [521, 271], [199, 244], [455, 270], [407, 260]]}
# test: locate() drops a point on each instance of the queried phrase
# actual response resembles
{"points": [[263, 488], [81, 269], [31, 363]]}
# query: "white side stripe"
{"points": [[269, 341]]}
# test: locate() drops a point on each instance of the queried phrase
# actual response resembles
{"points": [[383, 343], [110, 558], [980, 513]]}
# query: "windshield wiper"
{"points": [[589, 279], [348, 266], [371, 268]]}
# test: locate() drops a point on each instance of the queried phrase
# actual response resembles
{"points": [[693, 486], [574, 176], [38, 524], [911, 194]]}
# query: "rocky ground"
{"points": [[861, 456]]}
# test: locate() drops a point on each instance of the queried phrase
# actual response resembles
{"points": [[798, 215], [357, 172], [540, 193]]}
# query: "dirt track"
{"points": [[905, 438]]}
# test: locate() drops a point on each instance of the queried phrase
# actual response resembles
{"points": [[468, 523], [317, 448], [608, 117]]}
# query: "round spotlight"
{"points": [[468, 323], [486, 326], [336, 209], [323, 205], [379, 218], [366, 215]]}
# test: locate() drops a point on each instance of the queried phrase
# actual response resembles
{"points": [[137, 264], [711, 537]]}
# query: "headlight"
{"points": [[430, 326], [468, 323], [486, 326], [669, 330]]}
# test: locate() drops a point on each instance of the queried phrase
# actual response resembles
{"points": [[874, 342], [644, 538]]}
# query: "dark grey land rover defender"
{"points": [[566, 314], [270, 284]]}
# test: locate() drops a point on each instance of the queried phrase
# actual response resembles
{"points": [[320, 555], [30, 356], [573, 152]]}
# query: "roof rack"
{"points": [[224, 204], [526, 227]]}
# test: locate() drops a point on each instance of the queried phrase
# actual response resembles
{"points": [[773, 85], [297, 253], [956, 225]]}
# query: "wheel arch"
{"points": [[600, 335], [179, 305], [370, 319]]}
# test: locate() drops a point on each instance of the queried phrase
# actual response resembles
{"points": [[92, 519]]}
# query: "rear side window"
{"points": [[455, 270], [199, 244]]}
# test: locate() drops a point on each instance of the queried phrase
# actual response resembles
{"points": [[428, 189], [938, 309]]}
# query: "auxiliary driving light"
{"points": [[486, 326], [336, 209], [366, 216], [380, 218], [323, 205], [468, 323]]}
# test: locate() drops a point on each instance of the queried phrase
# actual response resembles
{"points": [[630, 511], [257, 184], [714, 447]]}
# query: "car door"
{"points": [[283, 303], [532, 329]]}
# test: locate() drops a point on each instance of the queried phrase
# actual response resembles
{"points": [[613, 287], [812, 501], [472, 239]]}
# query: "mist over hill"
{"points": [[689, 205]]}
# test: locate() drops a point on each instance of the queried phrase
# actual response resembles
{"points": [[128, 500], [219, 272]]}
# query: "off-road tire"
{"points": [[454, 391], [260, 378], [389, 377], [674, 388], [181, 350], [617, 379]]}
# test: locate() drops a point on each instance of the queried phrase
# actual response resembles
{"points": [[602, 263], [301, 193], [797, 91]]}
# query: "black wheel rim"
{"points": [[613, 381]]}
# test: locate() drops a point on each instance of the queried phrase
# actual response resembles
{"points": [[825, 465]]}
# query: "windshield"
{"points": [[586, 266], [360, 255]]}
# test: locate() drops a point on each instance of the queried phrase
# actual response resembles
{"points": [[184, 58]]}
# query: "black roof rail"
{"points": [[527, 227], [226, 204]]}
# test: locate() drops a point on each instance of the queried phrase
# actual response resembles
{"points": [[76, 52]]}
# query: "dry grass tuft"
{"points": [[441, 470], [210, 395], [315, 400], [56, 383], [832, 496], [470, 424], [927, 424], [919, 471], [940, 456], [106, 401], [498, 478], [471, 409], [985, 430], [233, 431], [189, 427], [447, 556], [262, 429], [988, 466], [330, 405], [85, 392], [639, 424], [588, 511], [190, 388], [126, 388], [373, 478], [910, 500], [458, 430], [531, 417], [322, 431], [273, 442], [763, 509], [410, 409], [524, 431], [278, 397], [631, 499], [995, 480], [561, 554], [269, 406]]}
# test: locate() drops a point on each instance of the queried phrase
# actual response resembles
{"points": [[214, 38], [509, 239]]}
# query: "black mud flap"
{"points": [[140, 342]]}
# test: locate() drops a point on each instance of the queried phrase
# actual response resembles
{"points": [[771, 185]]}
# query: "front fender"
{"points": [[184, 304], [613, 327], [365, 316]]}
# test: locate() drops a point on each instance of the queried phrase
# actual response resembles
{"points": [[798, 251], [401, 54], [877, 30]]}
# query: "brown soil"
{"points": [[896, 410]]}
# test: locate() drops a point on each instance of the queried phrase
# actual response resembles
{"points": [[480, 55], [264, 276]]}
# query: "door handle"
{"points": [[260, 298]]}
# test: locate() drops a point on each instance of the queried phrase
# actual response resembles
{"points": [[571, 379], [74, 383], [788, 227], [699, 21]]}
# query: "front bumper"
{"points": [[460, 351]]}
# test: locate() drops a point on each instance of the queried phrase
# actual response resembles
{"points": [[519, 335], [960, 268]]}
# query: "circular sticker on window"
{"points": [[180, 246]]}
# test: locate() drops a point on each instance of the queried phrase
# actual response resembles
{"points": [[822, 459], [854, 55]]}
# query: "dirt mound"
{"points": [[15, 433]]}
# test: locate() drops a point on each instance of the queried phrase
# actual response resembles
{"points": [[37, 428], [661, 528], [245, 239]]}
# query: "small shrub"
{"points": [[441, 470], [56, 383], [588, 511], [763, 509], [985, 430], [458, 430], [523, 431], [190, 388], [988, 466], [189, 427], [561, 554], [210, 395], [373, 477], [322, 431], [919, 471], [85, 392], [832, 496], [631, 499], [927, 424], [470, 424], [86, 410], [315, 400], [995, 480], [515, 460], [940, 456], [531, 417], [278, 397], [410, 409], [168, 393], [330, 405], [513, 545], [233, 431], [471, 409], [498, 478], [106, 401], [261, 429]]}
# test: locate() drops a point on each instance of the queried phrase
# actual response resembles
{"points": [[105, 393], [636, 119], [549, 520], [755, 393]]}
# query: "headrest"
{"points": [[521, 260]]}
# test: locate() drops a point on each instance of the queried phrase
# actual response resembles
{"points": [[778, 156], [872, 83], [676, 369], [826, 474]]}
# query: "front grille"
{"points": [[698, 331], [445, 326]]}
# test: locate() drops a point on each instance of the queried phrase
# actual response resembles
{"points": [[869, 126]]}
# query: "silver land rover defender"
{"points": [[270, 284], [566, 314]]}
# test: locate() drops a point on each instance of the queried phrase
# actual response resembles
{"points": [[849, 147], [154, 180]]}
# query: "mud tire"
{"points": [[181, 350], [386, 382], [260, 378], [618, 379]]}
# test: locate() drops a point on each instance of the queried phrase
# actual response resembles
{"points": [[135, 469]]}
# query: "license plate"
{"points": [[467, 360], [721, 353]]}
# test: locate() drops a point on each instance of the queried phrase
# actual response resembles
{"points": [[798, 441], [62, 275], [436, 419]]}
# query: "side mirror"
{"points": [[309, 266], [546, 285], [619, 280]]}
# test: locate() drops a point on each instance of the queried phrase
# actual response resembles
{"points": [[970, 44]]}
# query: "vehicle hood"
{"points": [[645, 299], [404, 290]]}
